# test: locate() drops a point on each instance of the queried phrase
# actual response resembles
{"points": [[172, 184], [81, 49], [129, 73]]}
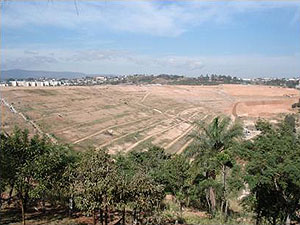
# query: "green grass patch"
{"points": [[144, 145]]}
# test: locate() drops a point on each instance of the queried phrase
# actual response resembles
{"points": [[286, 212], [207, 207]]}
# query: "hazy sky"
{"points": [[242, 38]]}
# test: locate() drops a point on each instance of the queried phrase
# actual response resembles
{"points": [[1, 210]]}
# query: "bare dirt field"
{"points": [[128, 117]]}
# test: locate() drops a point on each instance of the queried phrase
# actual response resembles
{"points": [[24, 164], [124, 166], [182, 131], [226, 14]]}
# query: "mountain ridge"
{"points": [[23, 74]]}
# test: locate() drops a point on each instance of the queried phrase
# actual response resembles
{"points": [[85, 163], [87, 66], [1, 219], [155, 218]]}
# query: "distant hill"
{"points": [[22, 74]]}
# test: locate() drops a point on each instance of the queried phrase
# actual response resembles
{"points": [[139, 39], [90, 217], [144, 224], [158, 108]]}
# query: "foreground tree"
{"points": [[151, 162], [176, 175], [146, 196], [95, 183], [140, 182], [211, 152], [4, 166], [50, 170], [273, 173], [34, 167]]}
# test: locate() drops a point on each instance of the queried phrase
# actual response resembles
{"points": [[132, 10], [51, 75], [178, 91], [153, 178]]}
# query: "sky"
{"points": [[238, 38]]}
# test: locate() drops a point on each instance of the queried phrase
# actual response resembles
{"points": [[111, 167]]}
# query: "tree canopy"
{"points": [[211, 173]]}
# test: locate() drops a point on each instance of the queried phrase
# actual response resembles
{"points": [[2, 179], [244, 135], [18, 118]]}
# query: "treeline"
{"points": [[177, 80], [212, 79], [282, 82], [220, 166]]}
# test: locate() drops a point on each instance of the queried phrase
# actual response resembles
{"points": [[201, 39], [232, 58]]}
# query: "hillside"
{"points": [[127, 117]]}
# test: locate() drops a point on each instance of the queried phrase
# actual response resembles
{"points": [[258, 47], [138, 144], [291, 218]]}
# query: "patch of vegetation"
{"points": [[131, 137], [144, 145], [220, 179], [109, 106], [125, 113], [26, 108], [93, 122], [42, 92]]}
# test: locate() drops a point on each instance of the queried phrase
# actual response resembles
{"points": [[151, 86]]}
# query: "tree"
{"points": [[95, 182], [211, 152], [33, 166], [23, 152], [146, 195], [263, 126], [273, 174], [176, 174], [49, 172], [126, 170], [151, 162], [289, 120], [4, 166], [140, 181]]}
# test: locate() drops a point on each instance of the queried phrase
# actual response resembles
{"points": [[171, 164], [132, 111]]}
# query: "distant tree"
{"points": [[263, 126], [290, 121]]}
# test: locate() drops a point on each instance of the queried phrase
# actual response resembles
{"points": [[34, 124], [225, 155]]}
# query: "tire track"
{"points": [[184, 146], [189, 142], [144, 98], [118, 138], [161, 131], [105, 129], [150, 136], [27, 119], [234, 112], [183, 134]]}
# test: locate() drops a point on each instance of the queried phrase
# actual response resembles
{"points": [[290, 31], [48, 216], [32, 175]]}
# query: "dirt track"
{"points": [[125, 117]]}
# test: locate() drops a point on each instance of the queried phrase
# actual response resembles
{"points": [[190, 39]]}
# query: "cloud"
{"points": [[144, 17], [101, 23], [124, 62], [137, 17], [296, 17], [94, 55], [27, 62], [177, 62], [30, 52]]}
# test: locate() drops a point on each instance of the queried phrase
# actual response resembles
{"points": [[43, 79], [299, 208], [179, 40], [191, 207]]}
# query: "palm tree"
{"points": [[212, 143]]}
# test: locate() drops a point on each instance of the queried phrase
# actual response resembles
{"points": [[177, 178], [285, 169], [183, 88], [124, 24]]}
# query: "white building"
{"points": [[54, 83], [14, 83], [39, 84], [32, 83], [21, 83], [101, 78]]}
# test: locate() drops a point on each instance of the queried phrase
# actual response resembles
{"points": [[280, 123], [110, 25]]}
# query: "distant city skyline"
{"points": [[238, 38]]}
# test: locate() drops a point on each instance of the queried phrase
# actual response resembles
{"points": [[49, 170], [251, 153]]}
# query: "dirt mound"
{"points": [[262, 108]]}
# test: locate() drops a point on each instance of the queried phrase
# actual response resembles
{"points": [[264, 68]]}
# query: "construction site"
{"points": [[123, 118]]}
